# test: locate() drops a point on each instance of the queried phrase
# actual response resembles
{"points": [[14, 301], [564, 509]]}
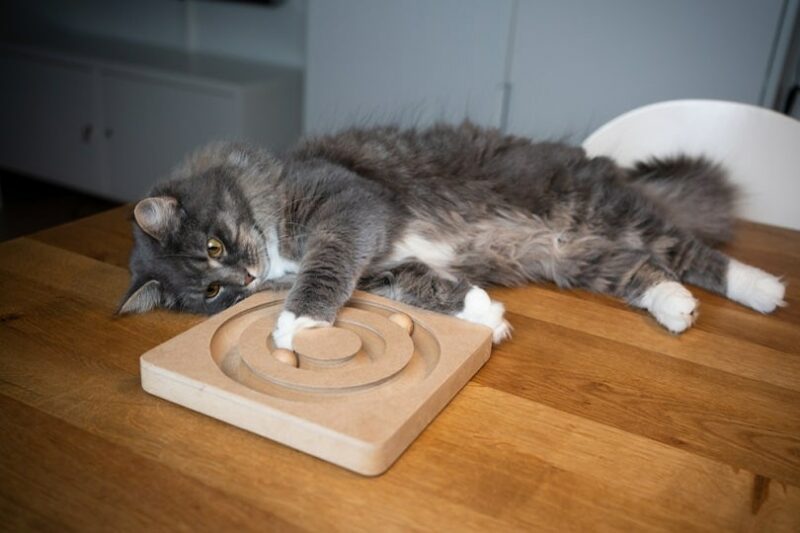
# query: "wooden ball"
{"points": [[286, 357], [404, 321]]}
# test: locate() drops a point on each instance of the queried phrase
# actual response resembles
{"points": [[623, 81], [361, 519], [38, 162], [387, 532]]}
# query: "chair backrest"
{"points": [[760, 148]]}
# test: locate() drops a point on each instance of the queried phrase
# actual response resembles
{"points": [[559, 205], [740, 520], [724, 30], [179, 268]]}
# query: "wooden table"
{"points": [[591, 418]]}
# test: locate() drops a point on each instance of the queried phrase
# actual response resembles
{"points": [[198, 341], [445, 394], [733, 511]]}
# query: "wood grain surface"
{"points": [[590, 418]]}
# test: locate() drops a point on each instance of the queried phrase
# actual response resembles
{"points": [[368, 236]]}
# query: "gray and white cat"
{"points": [[429, 217]]}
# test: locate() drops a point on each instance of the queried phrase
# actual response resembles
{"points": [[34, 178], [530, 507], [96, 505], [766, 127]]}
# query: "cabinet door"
{"points": [[578, 64], [411, 62], [152, 124], [46, 117]]}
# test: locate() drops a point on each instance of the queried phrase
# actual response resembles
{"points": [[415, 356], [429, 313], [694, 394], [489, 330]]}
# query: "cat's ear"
{"points": [[156, 215], [141, 297]]}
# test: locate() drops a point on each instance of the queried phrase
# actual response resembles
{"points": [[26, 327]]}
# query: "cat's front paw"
{"points": [[288, 324], [671, 304], [480, 309]]}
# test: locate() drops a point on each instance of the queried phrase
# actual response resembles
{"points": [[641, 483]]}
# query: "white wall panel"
{"points": [[576, 64], [411, 61]]}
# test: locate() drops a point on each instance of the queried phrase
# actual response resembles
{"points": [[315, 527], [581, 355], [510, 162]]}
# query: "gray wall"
{"points": [[578, 64], [548, 68], [541, 67], [410, 61]]}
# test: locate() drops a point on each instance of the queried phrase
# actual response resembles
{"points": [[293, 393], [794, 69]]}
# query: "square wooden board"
{"points": [[363, 390]]}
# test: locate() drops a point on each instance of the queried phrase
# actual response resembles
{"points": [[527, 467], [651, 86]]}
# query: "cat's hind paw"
{"points": [[754, 288], [672, 305], [288, 324], [480, 309]]}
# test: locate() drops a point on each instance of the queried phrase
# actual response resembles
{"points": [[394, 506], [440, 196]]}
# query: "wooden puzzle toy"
{"points": [[355, 394]]}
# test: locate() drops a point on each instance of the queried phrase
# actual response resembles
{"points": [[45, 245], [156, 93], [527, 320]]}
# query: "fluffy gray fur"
{"points": [[422, 216]]}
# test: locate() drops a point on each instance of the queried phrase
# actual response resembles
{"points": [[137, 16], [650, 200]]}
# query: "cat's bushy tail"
{"points": [[694, 192]]}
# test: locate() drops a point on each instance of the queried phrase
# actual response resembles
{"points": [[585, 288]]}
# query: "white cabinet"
{"points": [[113, 119], [47, 102], [148, 122]]}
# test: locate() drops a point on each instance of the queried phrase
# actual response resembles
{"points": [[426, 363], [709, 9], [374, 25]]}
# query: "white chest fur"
{"points": [[279, 266]]}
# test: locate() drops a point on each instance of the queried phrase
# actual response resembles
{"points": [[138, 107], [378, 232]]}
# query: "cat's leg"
{"points": [[340, 244], [698, 264], [416, 284], [646, 284], [328, 275]]}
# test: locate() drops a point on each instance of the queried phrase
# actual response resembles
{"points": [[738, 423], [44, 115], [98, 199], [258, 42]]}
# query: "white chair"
{"points": [[760, 148]]}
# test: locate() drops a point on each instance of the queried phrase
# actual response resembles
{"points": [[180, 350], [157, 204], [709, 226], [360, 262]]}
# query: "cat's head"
{"points": [[197, 246]]}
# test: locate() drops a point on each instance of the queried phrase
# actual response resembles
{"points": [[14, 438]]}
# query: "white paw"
{"points": [[754, 288], [480, 309], [671, 304], [288, 324]]}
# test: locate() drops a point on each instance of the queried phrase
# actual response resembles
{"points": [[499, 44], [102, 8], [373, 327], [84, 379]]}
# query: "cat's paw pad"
{"points": [[288, 324], [480, 309], [672, 305], [754, 288]]}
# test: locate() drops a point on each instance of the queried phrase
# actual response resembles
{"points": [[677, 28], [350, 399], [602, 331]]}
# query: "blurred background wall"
{"points": [[104, 96], [552, 68], [257, 31]]}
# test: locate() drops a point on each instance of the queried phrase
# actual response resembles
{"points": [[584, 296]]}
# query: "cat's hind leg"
{"points": [[698, 264], [753, 287], [651, 286], [672, 305], [417, 284], [639, 278]]}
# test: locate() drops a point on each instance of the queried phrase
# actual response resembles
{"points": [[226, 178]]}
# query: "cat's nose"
{"points": [[248, 278]]}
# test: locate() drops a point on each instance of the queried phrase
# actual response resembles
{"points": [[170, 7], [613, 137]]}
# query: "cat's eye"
{"points": [[214, 247], [212, 290]]}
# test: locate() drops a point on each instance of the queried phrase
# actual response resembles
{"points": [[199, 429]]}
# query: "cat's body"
{"points": [[428, 216]]}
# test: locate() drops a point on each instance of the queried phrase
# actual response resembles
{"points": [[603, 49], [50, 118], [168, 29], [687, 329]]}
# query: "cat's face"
{"points": [[196, 248]]}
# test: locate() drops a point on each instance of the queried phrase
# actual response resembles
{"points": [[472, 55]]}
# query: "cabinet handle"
{"points": [[86, 133]]}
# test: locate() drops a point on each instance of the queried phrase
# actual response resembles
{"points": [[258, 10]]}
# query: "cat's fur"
{"points": [[427, 217]]}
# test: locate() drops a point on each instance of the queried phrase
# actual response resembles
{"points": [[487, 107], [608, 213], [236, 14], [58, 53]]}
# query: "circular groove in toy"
{"points": [[327, 344], [244, 367], [387, 357]]}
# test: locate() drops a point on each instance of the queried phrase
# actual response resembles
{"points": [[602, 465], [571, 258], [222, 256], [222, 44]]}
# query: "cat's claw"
{"points": [[288, 324], [671, 304], [480, 309]]}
